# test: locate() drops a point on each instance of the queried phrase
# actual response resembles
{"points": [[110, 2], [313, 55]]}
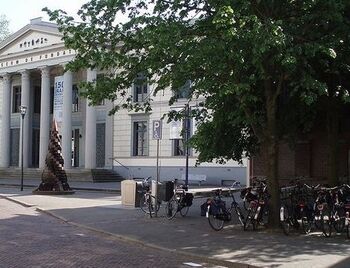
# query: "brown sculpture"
{"points": [[54, 178]]}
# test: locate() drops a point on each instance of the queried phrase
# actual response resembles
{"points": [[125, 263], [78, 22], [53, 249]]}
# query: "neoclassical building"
{"points": [[32, 62]]}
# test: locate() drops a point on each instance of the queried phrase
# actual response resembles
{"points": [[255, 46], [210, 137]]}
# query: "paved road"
{"points": [[31, 239]]}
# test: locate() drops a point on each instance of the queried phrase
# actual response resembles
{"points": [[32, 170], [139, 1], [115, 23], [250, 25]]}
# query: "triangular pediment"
{"points": [[30, 38]]}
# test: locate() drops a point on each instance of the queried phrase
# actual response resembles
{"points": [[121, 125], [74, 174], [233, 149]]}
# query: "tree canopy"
{"points": [[253, 61]]}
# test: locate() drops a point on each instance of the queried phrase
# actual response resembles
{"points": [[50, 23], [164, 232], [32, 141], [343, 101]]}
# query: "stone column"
{"points": [[109, 135], [67, 119], [5, 124], [25, 101], [44, 115], [90, 128]]}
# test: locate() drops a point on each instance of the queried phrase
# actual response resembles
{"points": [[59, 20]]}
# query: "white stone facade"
{"points": [[30, 59]]}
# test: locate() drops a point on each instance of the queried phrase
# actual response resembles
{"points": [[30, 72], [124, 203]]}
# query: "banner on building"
{"points": [[58, 101]]}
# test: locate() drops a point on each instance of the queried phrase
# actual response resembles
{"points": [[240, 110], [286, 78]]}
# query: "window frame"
{"points": [[135, 138]]}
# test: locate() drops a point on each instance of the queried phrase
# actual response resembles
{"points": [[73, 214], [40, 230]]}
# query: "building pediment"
{"points": [[37, 34]]}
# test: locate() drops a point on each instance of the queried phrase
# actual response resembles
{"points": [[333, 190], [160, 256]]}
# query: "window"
{"points": [[16, 99], [140, 138], [75, 99], [179, 148], [184, 91], [140, 88]]}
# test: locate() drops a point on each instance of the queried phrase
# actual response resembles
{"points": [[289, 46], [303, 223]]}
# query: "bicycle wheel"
{"points": [[326, 224], [306, 223], [250, 221], [339, 220], [184, 210], [171, 208], [238, 212], [148, 204], [285, 220], [144, 204], [215, 221]]}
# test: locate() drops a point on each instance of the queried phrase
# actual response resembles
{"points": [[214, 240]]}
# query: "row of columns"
{"points": [[66, 131]]}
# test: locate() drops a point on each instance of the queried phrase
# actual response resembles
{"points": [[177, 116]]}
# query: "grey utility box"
{"points": [[165, 190], [130, 191]]}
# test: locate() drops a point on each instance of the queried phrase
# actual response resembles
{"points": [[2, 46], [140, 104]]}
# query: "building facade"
{"points": [[30, 61]]}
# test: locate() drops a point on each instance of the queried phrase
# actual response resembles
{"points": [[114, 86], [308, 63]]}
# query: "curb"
{"points": [[133, 240], [23, 204]]}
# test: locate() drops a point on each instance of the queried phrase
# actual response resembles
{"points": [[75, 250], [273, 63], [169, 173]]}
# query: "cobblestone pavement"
{"points": [[31, 239]]}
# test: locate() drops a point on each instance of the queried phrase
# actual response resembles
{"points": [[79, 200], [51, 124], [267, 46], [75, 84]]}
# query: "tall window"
{"points": [[179, 147], [75, 99], [16, 99], [184, 91], [37, 99], [140, 138], [140, 88]]}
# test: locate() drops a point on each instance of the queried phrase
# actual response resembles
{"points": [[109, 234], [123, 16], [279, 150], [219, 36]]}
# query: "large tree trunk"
{"points": [[271, 147], [332, 142]]}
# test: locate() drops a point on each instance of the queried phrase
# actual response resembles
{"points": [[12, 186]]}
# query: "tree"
{"points": [[4, 31], [249, 59]]}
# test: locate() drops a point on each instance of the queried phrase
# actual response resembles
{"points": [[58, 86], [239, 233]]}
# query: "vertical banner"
{"points": [[58, 101]]}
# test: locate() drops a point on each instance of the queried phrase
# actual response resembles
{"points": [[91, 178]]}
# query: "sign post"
{"points": [[157, 135]]}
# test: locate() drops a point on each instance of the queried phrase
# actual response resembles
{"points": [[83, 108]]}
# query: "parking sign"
{"points": [[157, 129]]}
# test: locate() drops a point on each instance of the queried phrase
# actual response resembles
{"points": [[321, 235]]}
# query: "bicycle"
{"points": [[179, 202], [217, 214], [257, 209], [294, 207], [148, 201]]}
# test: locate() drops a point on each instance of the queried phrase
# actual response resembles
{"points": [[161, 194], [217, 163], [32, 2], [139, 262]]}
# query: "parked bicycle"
{"points": [[179, 202], [295, 207], [148, 201], [258, 208], [218, 214]]}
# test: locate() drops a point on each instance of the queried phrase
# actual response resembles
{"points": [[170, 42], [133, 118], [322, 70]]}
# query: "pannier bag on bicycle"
{"points": [[204, 207], [218, 209], [187, 200]]}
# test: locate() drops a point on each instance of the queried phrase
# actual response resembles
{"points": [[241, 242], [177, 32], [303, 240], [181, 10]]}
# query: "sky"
{"points": [[19, 12]]}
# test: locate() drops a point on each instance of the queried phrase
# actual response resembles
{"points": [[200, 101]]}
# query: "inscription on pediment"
{"points": [[31, 40], [33, 43]]}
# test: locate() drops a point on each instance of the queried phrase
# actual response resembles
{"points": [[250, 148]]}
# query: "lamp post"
{"points": [[23, 110], [187, 137]]}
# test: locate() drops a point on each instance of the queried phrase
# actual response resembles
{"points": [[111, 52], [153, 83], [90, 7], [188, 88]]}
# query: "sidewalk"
{"points": [[192, 234]]}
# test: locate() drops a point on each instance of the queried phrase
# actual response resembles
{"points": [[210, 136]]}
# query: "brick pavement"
{"points": [[192, 234], [31, 239]]}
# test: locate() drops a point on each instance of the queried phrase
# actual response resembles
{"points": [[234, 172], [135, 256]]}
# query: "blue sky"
{"points": [[19, 12]]}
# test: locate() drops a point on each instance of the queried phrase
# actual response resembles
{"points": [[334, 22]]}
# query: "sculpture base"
{"points": [[53, 192]]}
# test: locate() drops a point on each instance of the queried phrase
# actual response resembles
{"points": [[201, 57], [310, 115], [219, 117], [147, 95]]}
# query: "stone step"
{"points": [[105, 175]]}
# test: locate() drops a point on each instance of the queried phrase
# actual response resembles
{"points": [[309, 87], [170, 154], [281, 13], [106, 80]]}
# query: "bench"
{"points": [[195, 178]]}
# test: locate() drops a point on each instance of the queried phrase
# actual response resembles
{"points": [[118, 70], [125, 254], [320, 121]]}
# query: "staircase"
{"points": [[105, 175]]}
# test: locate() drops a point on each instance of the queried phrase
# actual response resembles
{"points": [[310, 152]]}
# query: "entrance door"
{"points": [[75, 147]]}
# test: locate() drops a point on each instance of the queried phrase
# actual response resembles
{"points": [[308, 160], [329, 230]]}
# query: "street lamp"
{"points": [[23, 110]]}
